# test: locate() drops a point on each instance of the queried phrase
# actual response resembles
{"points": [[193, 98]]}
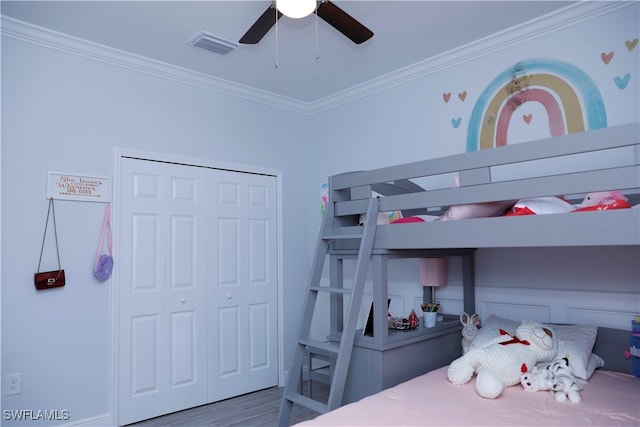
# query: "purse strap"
{"points": [[106, 230], [51, 210]]}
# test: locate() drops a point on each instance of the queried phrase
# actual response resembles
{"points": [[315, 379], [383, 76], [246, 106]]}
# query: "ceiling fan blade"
{"points": [[262, 26], [343, 22]]}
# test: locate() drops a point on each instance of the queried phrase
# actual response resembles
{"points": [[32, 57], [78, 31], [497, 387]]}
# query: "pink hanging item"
{"points": [[103, 265]]}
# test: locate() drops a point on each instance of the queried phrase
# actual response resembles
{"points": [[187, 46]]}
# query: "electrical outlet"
{"points": [[12, 384]]}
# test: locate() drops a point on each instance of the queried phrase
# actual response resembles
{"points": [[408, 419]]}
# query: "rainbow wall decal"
{"points": [[571, 99]]}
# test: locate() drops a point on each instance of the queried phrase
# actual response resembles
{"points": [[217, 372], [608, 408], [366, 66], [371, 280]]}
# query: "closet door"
{"points": [[243, 289], [162, 271]]}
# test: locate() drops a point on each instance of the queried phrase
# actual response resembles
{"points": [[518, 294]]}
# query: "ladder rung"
{"points": [[307, 402], [321, 347], [322, 375], [331, 290], [342, 237]]}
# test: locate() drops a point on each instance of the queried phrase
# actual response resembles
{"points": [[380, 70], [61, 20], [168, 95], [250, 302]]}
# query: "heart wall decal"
{"points": [[606, 57], [631, 44], [527, 118], [622, 82], [456, 122], [446, 96], [462, 95]]}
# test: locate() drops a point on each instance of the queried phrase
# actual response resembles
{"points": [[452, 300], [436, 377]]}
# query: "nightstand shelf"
{"points": [[391, 356]]}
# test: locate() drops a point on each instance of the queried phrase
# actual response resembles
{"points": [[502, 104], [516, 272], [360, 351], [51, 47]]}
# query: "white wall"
{"points": [[68, 113]]}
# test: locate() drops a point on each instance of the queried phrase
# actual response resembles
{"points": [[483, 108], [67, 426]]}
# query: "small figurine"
{"points": [[413, 319]]}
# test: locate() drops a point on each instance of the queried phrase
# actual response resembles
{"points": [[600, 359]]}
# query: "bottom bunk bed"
{"points": [[610, 396]]}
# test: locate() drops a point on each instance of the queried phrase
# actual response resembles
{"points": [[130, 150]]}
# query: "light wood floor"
{"points": [[249, 410]]}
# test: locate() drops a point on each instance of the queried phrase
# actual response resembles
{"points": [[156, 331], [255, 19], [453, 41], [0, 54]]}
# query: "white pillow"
{"points": [[545, 205], [595, 362], [576, 342]]}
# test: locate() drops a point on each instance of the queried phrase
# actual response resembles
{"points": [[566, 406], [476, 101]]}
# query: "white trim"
{"points": [[40, 36], [104, 420], [119, 154], [564, 18], [542, 26]]}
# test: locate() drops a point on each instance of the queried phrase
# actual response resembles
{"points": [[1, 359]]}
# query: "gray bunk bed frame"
{"points": [[357, 362], [351, 192]]}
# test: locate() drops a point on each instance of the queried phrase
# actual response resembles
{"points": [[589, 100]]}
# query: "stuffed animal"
{"points": [[565, 385], [557, 377], [469, 330], [603, 200], [537, 379], [500, 362]]}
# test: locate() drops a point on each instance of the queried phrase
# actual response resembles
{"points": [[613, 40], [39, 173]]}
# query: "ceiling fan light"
{"points": [[296, 8]]}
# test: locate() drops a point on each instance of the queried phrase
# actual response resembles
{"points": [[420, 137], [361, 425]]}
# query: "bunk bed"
{"points": [[569, 167]]}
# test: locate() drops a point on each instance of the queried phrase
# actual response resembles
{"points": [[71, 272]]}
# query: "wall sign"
{"points": [[65, 186]]}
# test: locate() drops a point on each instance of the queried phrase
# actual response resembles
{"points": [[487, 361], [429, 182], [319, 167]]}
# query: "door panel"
{"points": [[197, 275], [162, 298], [243, 299], [144, 351]]}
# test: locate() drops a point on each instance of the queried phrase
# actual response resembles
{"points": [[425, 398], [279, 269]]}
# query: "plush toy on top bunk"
{"points": [[557, 377], [500, 362], [598, 201], [603, 200]]}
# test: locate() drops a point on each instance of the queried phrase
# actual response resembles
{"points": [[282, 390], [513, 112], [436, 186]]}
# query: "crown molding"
{"points": [[564, 18], [44, 37]]}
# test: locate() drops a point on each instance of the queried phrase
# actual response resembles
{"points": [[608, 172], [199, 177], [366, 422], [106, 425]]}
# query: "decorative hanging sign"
{"points": [[65, 186]]}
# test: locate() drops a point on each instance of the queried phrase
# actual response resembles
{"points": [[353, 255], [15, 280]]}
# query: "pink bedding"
{"points": [[608, 399]]}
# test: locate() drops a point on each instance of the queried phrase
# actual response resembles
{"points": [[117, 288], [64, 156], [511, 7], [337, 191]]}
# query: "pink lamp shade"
{"points": [[433, 271]]}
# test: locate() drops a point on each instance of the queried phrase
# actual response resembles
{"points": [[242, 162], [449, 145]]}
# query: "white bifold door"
{"points": [[197, 286]]}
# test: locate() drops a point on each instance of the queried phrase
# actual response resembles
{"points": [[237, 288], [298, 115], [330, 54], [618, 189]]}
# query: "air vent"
{"points": [[213, 43]]}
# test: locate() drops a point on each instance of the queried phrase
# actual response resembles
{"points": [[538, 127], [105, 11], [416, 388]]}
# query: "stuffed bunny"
{"points": [[469, 329]]}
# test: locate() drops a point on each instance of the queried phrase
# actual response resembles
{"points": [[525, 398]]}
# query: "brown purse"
{"points": [[49, 279]]}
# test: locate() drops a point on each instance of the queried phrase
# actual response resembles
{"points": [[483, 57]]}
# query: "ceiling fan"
{"points": [[332, 14]]}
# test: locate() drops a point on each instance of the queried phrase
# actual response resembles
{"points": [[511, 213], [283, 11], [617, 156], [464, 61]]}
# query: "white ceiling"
{"points": [[406, 33]]}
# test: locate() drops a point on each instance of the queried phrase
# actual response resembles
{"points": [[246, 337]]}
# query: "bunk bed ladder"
{"points": [[337, 353]]}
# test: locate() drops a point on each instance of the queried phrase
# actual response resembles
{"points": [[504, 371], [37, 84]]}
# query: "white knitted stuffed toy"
{"points": [[500, 362]]}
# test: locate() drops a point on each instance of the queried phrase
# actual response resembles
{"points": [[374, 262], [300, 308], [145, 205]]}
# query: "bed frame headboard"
{"points": [[610, 345]]}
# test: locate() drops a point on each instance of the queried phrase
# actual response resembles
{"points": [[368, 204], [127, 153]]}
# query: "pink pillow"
{"points": [[477, 210], [408, 219]]}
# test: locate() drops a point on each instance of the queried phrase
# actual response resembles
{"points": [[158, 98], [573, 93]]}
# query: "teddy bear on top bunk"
{"points": [[556, 377], [500, 362]]}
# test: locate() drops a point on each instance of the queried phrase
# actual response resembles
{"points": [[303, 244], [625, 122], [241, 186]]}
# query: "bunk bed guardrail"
{"points": [[569, 166]]}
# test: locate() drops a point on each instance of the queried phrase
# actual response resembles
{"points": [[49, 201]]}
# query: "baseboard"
{"points": [[104, 420]]}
